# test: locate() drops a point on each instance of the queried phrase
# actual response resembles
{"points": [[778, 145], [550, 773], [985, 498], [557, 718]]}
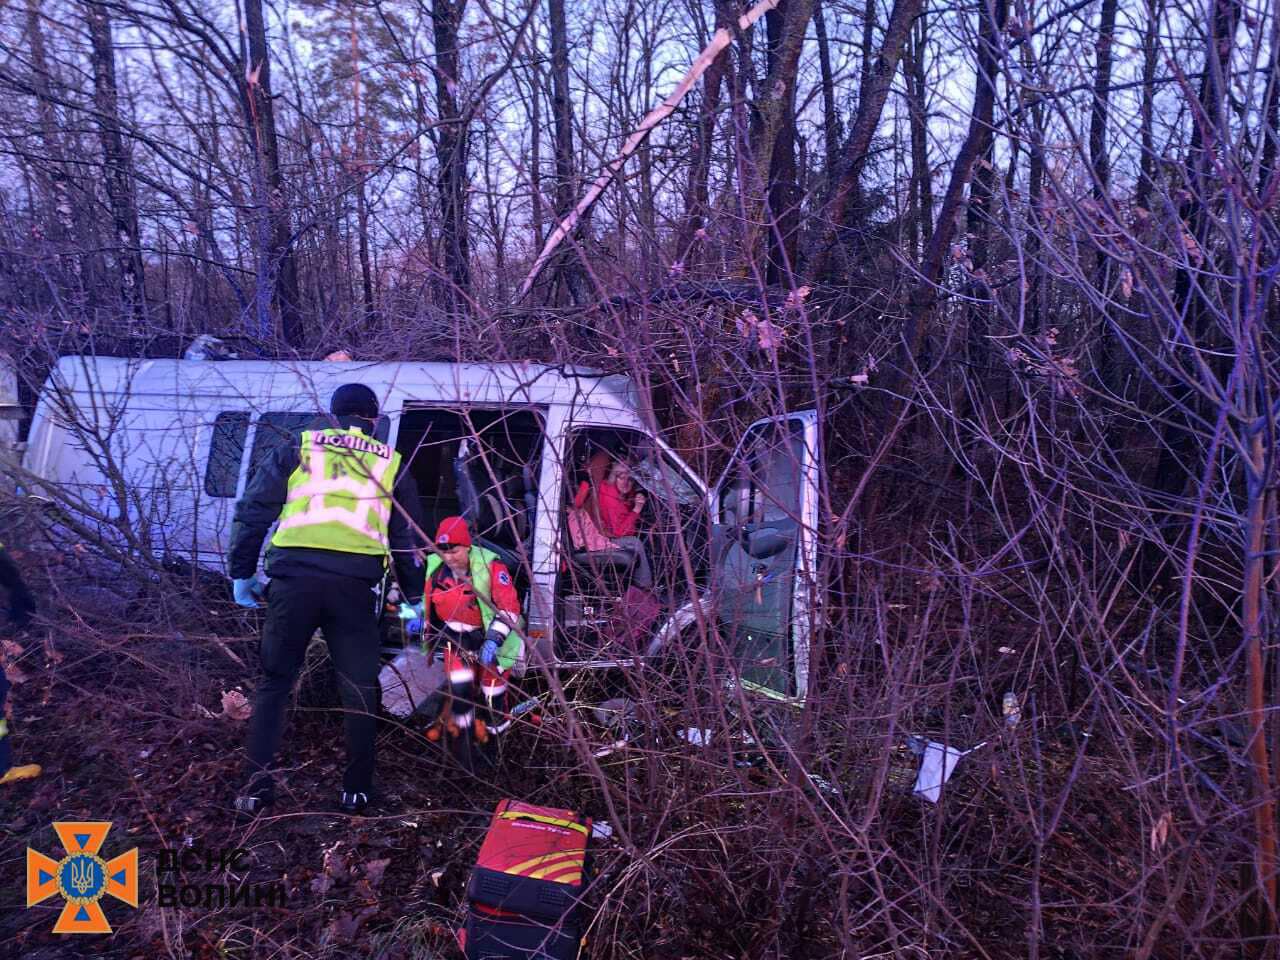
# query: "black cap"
{"points": [[354, 400]]}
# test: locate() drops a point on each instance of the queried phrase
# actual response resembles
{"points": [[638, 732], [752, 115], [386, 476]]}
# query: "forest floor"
{"points": [[145, 728], [133, 730]]}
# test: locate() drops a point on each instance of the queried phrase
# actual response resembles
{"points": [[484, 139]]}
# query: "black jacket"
{"points": [[264, 498], [21, 603]]}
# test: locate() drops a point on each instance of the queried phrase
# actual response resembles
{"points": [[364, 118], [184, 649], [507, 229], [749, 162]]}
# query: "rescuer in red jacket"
{"points": [[472, 604]]}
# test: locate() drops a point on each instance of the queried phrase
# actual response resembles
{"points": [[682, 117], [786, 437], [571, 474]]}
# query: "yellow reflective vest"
{"points": [[340, 496]]}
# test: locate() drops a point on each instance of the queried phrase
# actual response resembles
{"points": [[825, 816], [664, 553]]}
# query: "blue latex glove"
{"points": [[247, 591], [489, 653], [413, 616]]}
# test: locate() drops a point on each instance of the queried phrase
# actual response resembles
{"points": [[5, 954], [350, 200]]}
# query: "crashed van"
{"points": [[155, 453]]}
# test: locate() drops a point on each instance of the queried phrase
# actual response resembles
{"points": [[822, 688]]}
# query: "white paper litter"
{"points": [[699, 738], [612, 748], [937, 763], [601, 830]]}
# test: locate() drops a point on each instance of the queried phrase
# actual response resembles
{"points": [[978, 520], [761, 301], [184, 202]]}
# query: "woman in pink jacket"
{"points": [[615, 512]]}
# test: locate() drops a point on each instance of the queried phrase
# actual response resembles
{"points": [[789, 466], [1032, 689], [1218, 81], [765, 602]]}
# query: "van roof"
{"points": [[395, 382]]}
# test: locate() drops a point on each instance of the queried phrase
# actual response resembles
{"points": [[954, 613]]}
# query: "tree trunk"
{"points": [[1102, 99], [1033, 306], [830, 116], [1179, 440], [275, 234], [868, 45], [117, 167], [772, 111], [535, 151], [1270, 133], [921, 212], [368, 318], [452, 144], [1147, 162], [783, 203], [62, 224], [978, 240], [991, 21], [1101, 165], [649, 253], [697, 194], [567, 273], [845, 195], [497, 224], [1264, 813]]}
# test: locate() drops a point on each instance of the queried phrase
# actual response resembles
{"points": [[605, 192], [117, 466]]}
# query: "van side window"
{"points": [[226, 452], [276, 430]]}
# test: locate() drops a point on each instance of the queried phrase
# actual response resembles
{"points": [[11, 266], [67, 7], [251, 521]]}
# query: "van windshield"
{"points": [[655, 471]]}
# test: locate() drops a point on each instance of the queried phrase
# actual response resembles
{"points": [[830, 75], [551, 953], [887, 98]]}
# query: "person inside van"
{"points": [[606, 514]]}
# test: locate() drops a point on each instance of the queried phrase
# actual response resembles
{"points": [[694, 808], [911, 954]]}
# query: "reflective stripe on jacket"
{"points": [[481, 564]]}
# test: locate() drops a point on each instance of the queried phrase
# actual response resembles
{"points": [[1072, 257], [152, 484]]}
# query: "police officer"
{"points": [[343, 504]]}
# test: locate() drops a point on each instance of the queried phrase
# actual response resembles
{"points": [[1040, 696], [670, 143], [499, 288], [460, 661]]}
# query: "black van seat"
{"points": [[508, 558], [603, 572], [597, 581]]}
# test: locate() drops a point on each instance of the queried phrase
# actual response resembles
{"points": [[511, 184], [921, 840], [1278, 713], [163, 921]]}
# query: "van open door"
{"points": [[764, 552]]}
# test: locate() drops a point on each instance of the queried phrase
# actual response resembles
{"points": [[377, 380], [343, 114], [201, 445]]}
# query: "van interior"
{"points": [[602, 613], [482, 465]]}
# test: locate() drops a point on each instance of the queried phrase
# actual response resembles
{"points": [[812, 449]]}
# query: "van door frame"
{"points": [[805, 595], [568, 427], [541, 411]]}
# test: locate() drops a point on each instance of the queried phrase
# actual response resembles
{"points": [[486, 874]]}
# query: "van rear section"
{"points": [[119, 447]]}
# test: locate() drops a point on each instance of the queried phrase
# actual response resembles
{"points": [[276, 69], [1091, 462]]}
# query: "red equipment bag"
{"points": [[533, 862]]}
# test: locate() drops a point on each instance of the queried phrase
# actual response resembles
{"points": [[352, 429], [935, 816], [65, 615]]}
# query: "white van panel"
{"points": [[151, 421]]}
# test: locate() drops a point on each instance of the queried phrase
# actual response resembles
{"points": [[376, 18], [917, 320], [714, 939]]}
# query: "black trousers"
{"points": [[6, 751], [342, 608]]}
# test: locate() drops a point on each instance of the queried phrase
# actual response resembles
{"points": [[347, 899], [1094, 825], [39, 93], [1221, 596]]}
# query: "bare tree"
{"points": [[697, 192], [452, 148], [1100, 162], [118, 167], [278, 281], [920, 198], [772, 109], [566, 272], [976, 145], [846, 183], [830, 115]]}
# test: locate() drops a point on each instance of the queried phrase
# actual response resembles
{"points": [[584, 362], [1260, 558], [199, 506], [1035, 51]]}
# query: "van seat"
{"points": [[603, 572]]}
